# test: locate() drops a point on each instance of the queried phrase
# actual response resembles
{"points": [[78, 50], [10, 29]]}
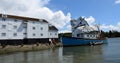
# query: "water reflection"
{"points": [[83, 54], [46, 56]]}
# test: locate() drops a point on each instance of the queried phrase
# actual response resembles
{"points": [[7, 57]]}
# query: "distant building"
{"points": [[25, 30]]}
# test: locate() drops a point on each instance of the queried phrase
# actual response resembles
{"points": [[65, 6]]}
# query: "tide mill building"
{"points": [[16, 30]]}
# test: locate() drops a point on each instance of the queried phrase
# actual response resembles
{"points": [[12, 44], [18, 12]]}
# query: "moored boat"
{"points": [[72, 41], [83, 34]]}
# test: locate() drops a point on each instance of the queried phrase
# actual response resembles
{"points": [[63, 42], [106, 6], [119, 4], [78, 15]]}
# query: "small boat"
{"points": [[83, 34], [97, 43]]}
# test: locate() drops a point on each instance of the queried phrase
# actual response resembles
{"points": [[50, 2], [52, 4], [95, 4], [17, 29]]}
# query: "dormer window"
{"points": [[4, 17]]}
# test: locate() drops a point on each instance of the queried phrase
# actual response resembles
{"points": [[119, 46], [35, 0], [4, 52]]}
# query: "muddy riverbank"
{"points": [[23, 48]]}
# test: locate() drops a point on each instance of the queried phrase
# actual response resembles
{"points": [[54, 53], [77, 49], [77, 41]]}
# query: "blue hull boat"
{"points": [[72, 41], [83, 34]]}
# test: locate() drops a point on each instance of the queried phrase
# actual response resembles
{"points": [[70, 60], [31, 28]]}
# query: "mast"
{"points": [[99, 31]]}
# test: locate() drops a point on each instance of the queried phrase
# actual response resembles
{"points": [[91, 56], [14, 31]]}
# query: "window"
{"points": [[87, 35], [90, 35], [15, 20], [3, 34], [41, 28], [78, 35], [24, 33], [41, 34], [15, 27], [33, 34], [15, 34], [24, 26], [3, 26], [50, 33], [3, 19], [55, 33], [33, 28], [33, 22]]}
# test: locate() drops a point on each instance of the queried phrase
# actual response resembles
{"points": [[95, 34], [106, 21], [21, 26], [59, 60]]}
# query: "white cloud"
{"points": [[110, 27], [117, 1], [65, 31], [35, 8], [118, 24], [104, 26], [38, 9], [90, 20], [69, 27]]}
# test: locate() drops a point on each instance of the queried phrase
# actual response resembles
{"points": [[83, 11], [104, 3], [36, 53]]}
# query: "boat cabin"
{"points": [[81, 29]]}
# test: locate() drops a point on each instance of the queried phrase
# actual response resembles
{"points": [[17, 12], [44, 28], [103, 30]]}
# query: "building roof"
{"points": [[85, 29], [53, 28], [92, 32], [23, 18]]}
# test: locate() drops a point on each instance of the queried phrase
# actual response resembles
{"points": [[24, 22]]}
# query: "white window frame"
{"points": [[41, 34], [3, 34], [41, 28], [14, 34], [33, 28], [3, 26], [15, 27], [34, 34]]}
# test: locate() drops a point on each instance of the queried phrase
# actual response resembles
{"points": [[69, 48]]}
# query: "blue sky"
{"points": [[60, 12], [104, 11]]}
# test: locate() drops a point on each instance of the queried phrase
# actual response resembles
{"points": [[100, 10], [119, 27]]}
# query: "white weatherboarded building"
{"points": [[25, 30]]}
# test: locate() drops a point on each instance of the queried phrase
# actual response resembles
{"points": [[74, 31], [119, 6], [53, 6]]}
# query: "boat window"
{"points": [[87, 35], [78, 35]]}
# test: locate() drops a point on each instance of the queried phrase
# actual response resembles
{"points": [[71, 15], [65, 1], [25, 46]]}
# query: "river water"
{"points": [[108, 53]]}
